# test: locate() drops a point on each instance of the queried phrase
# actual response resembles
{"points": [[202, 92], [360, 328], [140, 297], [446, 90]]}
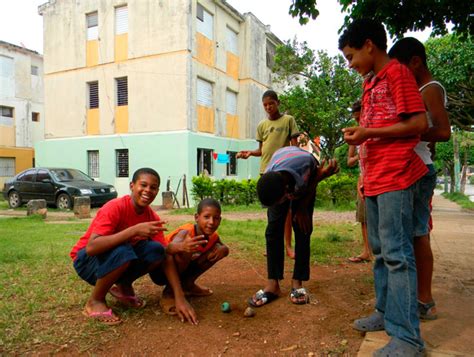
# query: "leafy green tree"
{"points": [[400, 16], [451, 61], [321, 92]]}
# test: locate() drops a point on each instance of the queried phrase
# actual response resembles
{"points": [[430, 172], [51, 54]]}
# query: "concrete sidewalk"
{"points": [[452, 241]]}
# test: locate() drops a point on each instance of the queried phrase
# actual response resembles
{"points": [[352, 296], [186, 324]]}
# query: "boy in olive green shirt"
{"points": [[272, 133]]}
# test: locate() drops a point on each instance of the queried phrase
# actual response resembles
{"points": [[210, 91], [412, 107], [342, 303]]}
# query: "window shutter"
{"points": [[231, 102], [7, 166], [92, 26], [232, 41], [121, 20], [204, 93], [206, 26], [122, 91], [93, 95]]}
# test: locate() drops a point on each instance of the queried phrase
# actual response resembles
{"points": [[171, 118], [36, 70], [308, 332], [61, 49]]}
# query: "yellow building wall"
{"points": [[232, 126], [121, 119], [93, 121], [121, 47], [205, 50], [7, 135], [23, 157], [205, 116], [232, 65], [92, 53]]}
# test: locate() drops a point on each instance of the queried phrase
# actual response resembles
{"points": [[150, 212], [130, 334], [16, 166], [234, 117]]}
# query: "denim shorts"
{"points": [[424, 189], [140, 256]]}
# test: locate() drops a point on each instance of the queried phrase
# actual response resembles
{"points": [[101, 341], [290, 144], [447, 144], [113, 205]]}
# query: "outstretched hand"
{"points": [[244, 154], [185, 311], [327, 168], [147, 230], [355, 135]]}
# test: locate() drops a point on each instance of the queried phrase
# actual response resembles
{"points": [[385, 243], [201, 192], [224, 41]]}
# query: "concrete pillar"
{"points": [[37, 207], [82, 207]]}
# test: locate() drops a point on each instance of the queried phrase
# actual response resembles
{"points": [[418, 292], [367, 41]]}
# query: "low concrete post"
{"points": [[37, 207], [82, 207], [167, 199]]}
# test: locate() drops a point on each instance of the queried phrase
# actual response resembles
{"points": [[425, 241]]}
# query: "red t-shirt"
{"points": [[115, 216], [390, 164], [191, 228]]}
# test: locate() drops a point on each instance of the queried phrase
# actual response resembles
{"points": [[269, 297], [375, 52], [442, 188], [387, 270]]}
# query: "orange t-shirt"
{"points": [[191, 228]]}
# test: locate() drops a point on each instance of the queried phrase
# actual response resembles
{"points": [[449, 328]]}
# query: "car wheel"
{"points": [[14, 199], [63, 201]]}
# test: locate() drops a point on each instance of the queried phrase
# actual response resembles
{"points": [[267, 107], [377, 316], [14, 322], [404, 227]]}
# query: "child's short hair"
{"points": [[145, 171], [361, 30], [270, 188], [270, 94], [407, 48], [208, 202], [356, 106]]}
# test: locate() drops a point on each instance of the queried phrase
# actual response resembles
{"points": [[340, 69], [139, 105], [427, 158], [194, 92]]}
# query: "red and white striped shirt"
{"points": [[390, 164]]}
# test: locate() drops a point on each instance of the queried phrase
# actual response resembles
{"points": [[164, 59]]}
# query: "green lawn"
{"points": [[40, 294], [460, 199]]}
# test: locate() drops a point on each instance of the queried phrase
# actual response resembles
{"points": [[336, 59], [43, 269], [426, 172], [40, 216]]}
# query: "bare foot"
{"points": [[290, 252], [196, 290]]}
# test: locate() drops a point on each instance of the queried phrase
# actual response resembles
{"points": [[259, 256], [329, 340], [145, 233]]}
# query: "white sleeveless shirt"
{"points": [[422, 148]]}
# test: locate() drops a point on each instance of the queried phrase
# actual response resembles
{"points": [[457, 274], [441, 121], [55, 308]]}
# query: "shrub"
{"points": [[337, 190], [227, 192]]}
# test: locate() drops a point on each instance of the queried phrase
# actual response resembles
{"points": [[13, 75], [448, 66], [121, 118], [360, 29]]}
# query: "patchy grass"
{"points": [[460, 199], [41, 295]]}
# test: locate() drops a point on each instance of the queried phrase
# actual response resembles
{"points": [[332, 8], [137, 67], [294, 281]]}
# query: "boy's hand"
{"points": [[355, 135], [327, 168], [244, 154], [218, 252], [147, 230], [185, 311], [192, 244]]}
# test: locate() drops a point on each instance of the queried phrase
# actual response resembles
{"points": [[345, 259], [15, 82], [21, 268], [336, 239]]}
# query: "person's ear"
{"points": [[196, 216], [131, 185], [369, 45]]}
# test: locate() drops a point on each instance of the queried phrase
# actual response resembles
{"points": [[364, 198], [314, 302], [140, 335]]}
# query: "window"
{"points": [[27, 176], [7, 166], [35, 117], [6, 67], [270, 54], [121, 163], [93, 89], [42, 175], [34, 70], [232, 41], [93, 163], [204, 93], [231, 102], [92, 21], [205, 22], [122, 91], [6, 112], [232, 165], [121, 20], [204, 161]]}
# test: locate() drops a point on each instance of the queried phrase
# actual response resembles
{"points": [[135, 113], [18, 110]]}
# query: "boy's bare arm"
{"points": [[433, 97], [245, 154], [99, 244], [352, 156], [416, 124]]}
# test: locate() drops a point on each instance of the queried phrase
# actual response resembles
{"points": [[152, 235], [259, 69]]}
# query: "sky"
{"points": [[21, 25]]}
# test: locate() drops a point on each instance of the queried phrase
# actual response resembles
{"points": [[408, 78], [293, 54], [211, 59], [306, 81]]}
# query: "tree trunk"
{"points": [[464, 171], [455, 179]]}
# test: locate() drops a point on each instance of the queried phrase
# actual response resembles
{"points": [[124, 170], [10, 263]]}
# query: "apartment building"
{"points": [[172, 85], [21, 108]]}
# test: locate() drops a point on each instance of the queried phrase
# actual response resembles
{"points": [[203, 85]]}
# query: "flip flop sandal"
{"points": [[104, 317], [427, 311], [373, 322], [168, 306], [128, 300], [399, 348], [264, 297], [358, 259], [299, 296]]}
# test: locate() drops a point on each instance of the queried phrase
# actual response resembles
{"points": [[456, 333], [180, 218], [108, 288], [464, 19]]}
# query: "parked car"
{"points": [[57, 186]]}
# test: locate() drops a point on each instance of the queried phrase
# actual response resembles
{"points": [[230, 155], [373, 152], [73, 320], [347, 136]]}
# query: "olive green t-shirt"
{"points": [[274, 134]]}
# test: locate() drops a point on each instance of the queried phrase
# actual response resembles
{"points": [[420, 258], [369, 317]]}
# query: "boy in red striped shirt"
{"points": [[392, 119]]}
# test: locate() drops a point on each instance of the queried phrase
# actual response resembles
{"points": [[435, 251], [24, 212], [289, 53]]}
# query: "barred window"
{"points": [[93, 89], [92, 21], [34, 70], [6, 112], [121, 162], [232, 165], [93, 163], [122, 90], [7, 166], [204, 161]]}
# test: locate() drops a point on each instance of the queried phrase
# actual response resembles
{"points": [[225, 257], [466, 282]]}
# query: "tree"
{"points": [[451, 61], [321, 92], [400, 16]]}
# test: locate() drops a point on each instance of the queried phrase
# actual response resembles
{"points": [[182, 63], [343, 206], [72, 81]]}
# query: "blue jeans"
{"points": [[390, 229]]}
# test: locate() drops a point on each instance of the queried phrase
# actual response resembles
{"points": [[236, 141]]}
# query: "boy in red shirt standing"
{"points": [[392, 119]]}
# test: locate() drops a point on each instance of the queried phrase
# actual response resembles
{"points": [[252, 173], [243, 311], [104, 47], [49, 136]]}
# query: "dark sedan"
{"points": [[57, 186]]}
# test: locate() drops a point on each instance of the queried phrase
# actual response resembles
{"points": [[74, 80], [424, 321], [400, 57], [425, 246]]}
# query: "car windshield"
{"points": [[64, 175]]}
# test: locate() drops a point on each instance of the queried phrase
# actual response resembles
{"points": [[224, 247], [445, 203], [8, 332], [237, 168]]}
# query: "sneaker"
{"points": [[427, 311]]}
